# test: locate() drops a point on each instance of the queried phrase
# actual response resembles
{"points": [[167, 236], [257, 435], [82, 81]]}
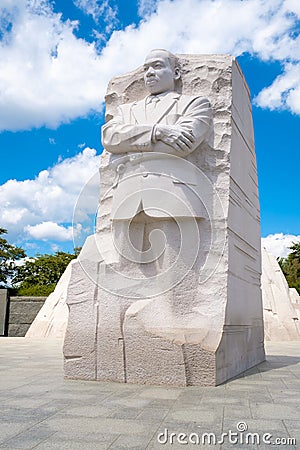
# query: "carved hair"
{"points": [[173, 60]]}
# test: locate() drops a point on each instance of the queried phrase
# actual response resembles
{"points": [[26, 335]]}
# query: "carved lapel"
{"points": [[138, 111], [163, 107]]}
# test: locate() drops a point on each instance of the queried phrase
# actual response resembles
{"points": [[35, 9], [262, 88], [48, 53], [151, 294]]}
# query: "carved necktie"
{"points": [[152, 101]]}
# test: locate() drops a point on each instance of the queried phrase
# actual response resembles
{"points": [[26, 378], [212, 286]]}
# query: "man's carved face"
{"points": [[159, 75]]}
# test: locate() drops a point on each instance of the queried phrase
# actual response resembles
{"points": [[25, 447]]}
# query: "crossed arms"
{"points": [[191, 127]]}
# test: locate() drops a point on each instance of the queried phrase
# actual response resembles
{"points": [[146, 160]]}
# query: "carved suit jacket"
{"points": [[147, 178]]}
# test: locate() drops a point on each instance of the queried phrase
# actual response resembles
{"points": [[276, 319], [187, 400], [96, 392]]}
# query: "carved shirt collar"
{"points": [[172, 94]]}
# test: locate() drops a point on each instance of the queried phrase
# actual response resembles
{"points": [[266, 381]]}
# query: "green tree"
{"points": [[291, 266], [8, 255], [39, 275]]}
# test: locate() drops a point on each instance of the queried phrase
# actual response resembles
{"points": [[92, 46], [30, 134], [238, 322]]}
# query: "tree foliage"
{"points": [[291, 266], [39, 275], [9, 254]]}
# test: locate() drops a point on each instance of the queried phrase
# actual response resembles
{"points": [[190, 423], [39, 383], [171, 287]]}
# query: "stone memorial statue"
{"points": [[165, 122], [167, 291]]}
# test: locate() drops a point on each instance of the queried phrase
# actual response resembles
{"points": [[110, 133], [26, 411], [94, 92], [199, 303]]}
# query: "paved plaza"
{"points": [[40, 410]]}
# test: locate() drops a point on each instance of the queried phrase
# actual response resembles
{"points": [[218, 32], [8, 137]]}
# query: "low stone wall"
{"points": [[22, 312]]}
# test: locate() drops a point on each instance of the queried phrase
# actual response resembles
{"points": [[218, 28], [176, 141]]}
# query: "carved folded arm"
{"points": [[119, 137], [189, 131], [180, 139]]}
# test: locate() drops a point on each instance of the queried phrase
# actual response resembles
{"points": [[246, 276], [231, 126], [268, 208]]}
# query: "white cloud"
{"points": [[49, 76], [22, 261], [293, 6], [146, 7], [51, 230], [99, 9], [45, 205], [284, 91], [278, 244], [264, 28], [54, 248]]}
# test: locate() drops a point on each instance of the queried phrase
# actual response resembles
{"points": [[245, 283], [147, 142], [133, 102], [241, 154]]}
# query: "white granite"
{"points": [[51, 321], [280, 303], [295, 297], [132, 321]]}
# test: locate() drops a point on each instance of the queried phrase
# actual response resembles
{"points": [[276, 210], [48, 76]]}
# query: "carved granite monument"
{"points": [[280, 303], [167, 291]]}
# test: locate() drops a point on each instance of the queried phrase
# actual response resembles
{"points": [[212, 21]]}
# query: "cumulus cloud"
{"points": [[268, 29], [43, 207], [51, 230], [278, 244], [49, 76], [99, 9], [284, 91], [146, 7]]}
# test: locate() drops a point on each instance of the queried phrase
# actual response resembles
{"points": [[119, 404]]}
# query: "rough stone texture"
{"points": [[295, 297], [197, 333], [22, 312], [79, 345], [280, 303], [52, 319], [281, 307]]}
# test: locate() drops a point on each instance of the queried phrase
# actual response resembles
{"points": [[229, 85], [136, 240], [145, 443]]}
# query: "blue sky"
{"points": [[57, 58]]}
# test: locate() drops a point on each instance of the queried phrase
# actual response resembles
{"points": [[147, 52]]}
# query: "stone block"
{"points": [[22, 312], [280, 303], [200, 322]]}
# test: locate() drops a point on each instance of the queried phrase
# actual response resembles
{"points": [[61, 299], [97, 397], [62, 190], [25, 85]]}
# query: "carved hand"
{"points": [[179, 139]]}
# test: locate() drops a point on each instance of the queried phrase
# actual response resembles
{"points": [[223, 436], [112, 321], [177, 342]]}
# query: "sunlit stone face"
{"points": [[159, 75]]}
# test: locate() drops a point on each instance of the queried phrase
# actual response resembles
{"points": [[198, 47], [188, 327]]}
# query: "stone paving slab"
{"points": [[40, 410]]}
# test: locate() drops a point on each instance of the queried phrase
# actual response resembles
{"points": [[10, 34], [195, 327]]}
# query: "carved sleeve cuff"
{"points": [[153, 135]]}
